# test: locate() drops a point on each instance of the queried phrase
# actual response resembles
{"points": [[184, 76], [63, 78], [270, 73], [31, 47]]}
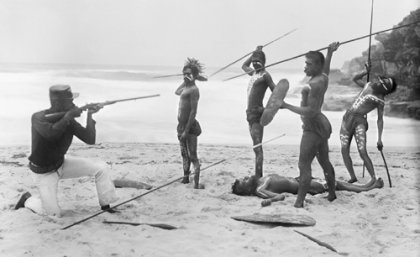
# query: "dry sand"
{"points": [[381, 222]]}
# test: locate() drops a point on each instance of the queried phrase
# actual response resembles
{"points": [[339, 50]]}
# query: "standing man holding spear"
{"points": [[316, 127], [355, 121], [260, 81]]}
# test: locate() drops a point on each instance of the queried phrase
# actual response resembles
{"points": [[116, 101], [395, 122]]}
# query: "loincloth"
{"points": [[195, 129], [254, 114], [318, 124], [351, 120]]}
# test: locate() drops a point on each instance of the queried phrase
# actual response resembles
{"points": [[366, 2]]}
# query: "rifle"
{"points": [[57, 115]]}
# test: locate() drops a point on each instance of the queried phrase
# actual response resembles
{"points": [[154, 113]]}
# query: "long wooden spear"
{"points": [[230, 64], [274, 138], [369, 60], [386, 167], [342, 43], [134, 198], [370, 41], [167, 76]]}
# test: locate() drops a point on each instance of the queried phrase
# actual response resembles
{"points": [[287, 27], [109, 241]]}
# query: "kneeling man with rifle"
{"points": [[52, 136]]}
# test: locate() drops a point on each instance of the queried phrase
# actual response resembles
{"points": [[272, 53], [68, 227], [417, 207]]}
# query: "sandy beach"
{"points": [[114, 50], [381, 222]]}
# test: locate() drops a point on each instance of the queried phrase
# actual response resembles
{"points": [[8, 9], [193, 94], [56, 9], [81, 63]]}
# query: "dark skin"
{"points": [[187, 111], [312, 100], [255, 99], [377, 89], [272, 187]]}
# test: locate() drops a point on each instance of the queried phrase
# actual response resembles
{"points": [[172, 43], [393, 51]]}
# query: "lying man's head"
{"points": [[245, 186]]}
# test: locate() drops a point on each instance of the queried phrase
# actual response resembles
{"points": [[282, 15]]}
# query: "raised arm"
{"points": [[246, 66], [202, 78], [358, 78], [331, 49], [178, 91]]}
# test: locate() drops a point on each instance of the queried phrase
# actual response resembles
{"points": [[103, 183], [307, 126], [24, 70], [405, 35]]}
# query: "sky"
{"points": [[166, 32]]}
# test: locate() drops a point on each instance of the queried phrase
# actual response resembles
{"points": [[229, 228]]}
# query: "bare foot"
{"points": [[331, 197], [352, 180], [185, 180], [266, 202], [298, 204], [379, 183], [199, 186]]}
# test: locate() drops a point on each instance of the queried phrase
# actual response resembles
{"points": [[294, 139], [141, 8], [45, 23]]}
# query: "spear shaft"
{"points": [[137, 197], [237, 60], [369, 61], [342, 43]]}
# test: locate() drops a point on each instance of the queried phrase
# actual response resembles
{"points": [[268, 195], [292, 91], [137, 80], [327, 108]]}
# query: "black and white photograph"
{"points": [[174, 128]]}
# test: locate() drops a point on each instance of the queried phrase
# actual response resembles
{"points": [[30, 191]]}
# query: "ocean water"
{"points": [[221, 110]]}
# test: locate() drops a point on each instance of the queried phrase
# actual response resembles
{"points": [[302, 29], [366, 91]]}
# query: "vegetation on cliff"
{"points": [[396, 54]]}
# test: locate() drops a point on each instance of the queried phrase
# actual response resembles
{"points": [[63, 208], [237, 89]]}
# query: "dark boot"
{"points": [[22, 200], [107, 208]]}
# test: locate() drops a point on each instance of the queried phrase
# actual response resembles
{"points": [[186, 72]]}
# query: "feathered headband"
{"points": [[194, 64]]}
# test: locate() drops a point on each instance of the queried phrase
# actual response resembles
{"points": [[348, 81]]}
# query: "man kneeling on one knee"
{"points": [[52, 136]]}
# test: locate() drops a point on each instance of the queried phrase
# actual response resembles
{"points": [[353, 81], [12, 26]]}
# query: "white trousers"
{"points": [[72, 167]]}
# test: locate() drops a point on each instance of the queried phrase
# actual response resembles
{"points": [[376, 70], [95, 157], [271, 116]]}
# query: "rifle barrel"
{"points": [[342, 43], [58, 114], [134, 98]]}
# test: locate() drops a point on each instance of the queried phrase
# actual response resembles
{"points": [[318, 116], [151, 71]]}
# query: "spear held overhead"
{"points": [[341, 43], [53, 116], [230, 64], [370, 40]]}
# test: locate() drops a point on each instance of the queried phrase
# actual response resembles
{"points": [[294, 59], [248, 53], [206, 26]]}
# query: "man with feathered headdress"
{"points": [[188, 127]]}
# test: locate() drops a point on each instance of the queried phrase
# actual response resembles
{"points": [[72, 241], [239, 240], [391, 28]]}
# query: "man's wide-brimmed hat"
{"points": [[62, 92]]}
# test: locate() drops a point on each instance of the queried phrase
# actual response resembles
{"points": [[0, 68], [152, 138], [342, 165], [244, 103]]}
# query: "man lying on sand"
{"points": [[271, 187], [51, 138]]}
